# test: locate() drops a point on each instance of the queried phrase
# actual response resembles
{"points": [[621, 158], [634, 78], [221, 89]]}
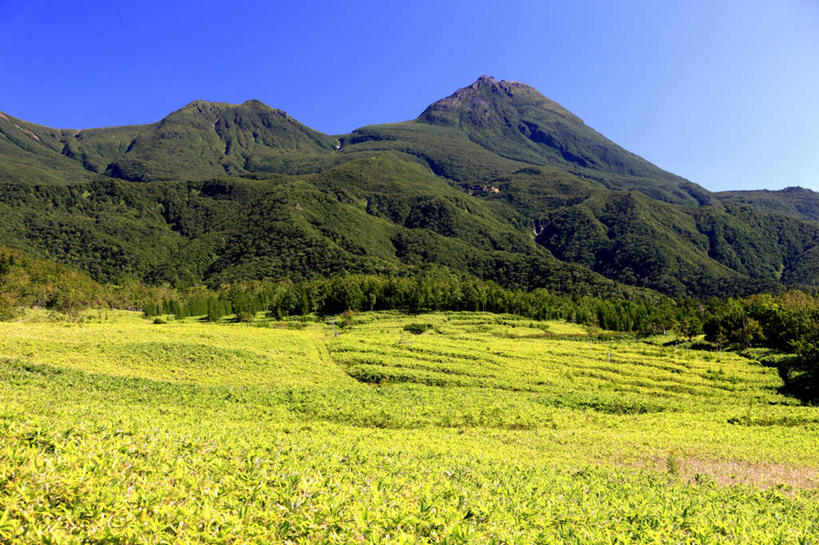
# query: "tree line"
{"points": [[430, 291], [787, 322]]}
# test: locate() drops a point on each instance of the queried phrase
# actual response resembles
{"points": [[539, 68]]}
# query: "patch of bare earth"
{"points": [[28, 132], [731, 472]]}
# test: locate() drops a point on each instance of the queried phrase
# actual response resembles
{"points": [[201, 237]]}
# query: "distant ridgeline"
{"points": [[494, 182]]}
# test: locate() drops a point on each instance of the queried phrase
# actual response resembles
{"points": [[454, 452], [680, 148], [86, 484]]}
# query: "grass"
{"points": [[482, 428]]}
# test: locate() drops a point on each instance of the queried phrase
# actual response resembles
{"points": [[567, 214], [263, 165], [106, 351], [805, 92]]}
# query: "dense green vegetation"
{"points": [[483, 428], [227, 230], [788, 323], [785, 323], [642, 313], [495, 181], [792, 201], [33, 283], [482, 325]]}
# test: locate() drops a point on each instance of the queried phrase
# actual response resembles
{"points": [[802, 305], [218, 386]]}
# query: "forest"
{"points": [[784, 322]]}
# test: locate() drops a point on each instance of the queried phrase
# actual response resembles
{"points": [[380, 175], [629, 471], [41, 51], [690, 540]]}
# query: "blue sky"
{"points": [[723, 93]]}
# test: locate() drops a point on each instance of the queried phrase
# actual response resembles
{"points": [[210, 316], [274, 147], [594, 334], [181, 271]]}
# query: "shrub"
{"points": [[245, 316], [417, 328]]}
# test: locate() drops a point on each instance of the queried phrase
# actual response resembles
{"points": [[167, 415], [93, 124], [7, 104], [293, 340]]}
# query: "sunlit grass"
{"points": [[481, 429]]}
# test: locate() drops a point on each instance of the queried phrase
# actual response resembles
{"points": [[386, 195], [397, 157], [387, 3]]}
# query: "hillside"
{"points": [[515, 121], [792, 201], [31, 154], [495, 180], [202, 140]]}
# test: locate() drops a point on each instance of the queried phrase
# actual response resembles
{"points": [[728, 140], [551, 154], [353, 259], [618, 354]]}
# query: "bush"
{"points": [[7, 311], [245, 316], [417, 328]]}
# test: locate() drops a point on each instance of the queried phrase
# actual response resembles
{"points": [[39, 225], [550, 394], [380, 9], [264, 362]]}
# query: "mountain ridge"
{"points": [[495, 180]]}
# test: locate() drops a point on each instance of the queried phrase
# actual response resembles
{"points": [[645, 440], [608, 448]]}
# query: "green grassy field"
{"points": [[483, 428]]}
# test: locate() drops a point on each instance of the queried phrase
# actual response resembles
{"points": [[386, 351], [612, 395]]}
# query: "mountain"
{"points": [[512, 121], [495, 180], [199, 141]]}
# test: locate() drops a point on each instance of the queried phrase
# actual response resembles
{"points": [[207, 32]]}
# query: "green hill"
{"points": [[495, 180], [792, 201], [203, 140], [31, 154], [514, 121]]}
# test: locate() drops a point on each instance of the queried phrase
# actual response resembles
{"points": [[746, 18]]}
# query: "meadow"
{"points": [[393, 428]]}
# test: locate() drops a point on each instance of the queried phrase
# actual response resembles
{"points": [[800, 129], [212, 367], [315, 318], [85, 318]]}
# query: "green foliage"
{"points": [[222, 193], [418, 328], [436, 289], [533, 415], [672, 464], [197, 432], [797, 202], [27, 282], [787, 322]]}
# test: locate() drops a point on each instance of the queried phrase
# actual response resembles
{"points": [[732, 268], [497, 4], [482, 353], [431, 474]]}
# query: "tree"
{"points": [[750, 332], [689, 327], [216, 310]]}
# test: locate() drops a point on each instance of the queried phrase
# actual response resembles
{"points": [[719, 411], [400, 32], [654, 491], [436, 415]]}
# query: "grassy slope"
{"points": [[515, 121], [201, 140], [206, 139], [30, 154], [491, 428]]}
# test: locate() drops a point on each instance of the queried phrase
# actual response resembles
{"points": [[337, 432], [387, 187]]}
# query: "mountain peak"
{"points": [[208, 139], [208, 106], [256, 103], [490, 102], [212, 112], [485, 80], [484, 84], [515, 121]]}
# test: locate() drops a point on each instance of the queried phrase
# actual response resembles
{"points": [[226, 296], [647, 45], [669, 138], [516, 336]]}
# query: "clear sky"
{"points": [[723, 93]]}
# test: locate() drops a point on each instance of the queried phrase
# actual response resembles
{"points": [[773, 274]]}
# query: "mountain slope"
{"points": [[205, 139], [396, 217], [199, 141], [495, 180], [30, 153], [518, 127], [797, 202]]}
